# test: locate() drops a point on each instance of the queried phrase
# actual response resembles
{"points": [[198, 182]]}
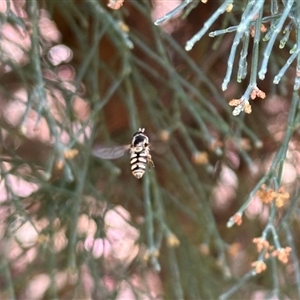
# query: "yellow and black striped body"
{"points": [[139, 154]]}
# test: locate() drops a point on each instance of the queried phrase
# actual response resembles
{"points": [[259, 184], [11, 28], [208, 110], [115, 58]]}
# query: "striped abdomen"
{"points": [[138, 162]]}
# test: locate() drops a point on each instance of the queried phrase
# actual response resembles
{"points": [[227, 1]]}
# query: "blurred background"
{"points": [[216, 217]]}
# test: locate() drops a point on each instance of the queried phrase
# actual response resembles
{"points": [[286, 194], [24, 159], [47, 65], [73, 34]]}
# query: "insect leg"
{"points": [[149, 160]]}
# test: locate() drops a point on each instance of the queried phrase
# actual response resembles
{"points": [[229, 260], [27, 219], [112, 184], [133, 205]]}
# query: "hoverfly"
{"points": [[139, 153]]}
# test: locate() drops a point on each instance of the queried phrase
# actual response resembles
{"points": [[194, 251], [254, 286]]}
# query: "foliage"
{"points": [[216, 217]]}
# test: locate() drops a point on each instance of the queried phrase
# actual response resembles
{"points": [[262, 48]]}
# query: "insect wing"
{"points": [[110, 152]]}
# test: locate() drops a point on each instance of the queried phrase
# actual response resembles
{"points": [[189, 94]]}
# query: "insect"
{"points": [[139, 153]]}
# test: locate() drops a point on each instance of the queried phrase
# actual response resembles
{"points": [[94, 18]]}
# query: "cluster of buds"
{"points": [[228, 8], [67, 154], [123, 26], [164, 135], [151, 253], [172, 240], [70, 153], [263, 29], [281, 197], [282, 254], [259, 266], [200, 158], [257, 93], [240, 105], [215, 144], [235, 219], [245, 144], [243, 104], [115, 4], [268, 195], [263, 245]]}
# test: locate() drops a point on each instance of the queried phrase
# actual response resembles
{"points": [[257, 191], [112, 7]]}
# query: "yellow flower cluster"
{"points": [[164, 135], [282, 254], [259, 266], [263, 29], [237, 219], [172, 240], [228, 8], [115, 4], [263, 245], [200, 158], [243, 104], [240, 105], [268, 195], [70, 153], [148, 254], [256, 92]]}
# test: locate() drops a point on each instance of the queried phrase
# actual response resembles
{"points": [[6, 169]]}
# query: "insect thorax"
{"points": [[140, 140]]}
